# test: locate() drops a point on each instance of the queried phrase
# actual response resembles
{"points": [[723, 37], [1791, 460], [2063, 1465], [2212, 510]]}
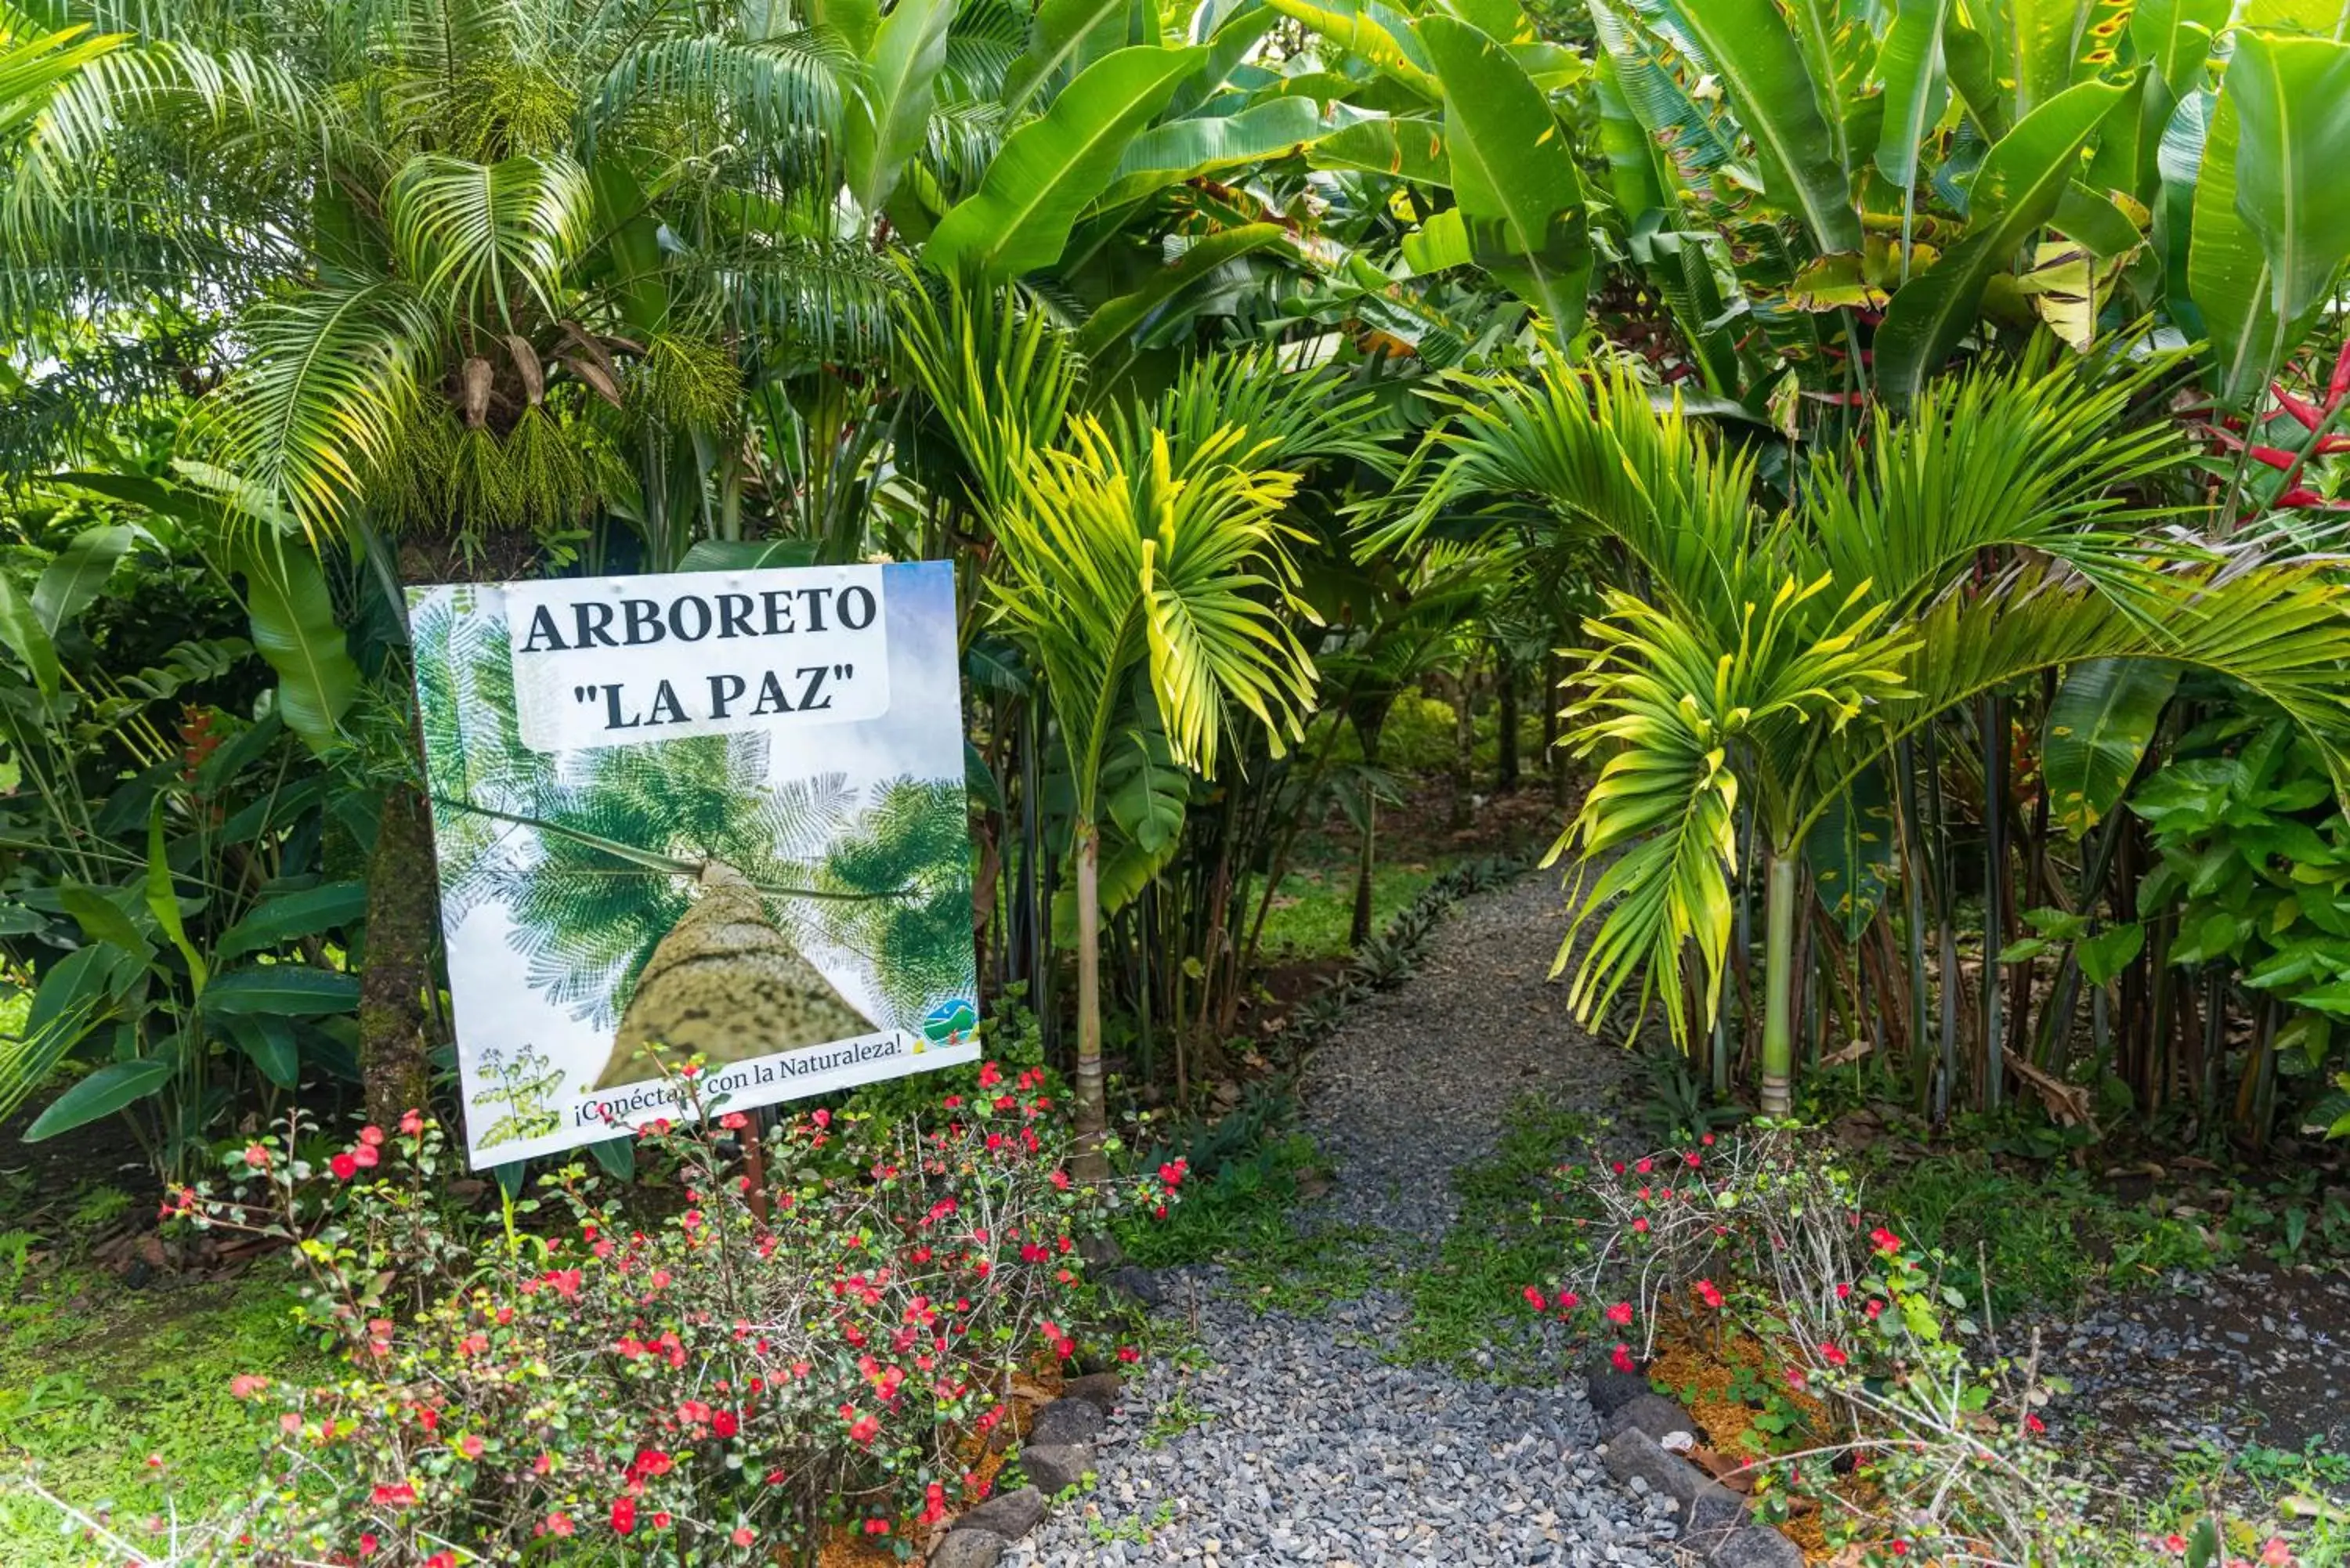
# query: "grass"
{"points": [[96, 1378], [1469, 1304], [1314, 907]]}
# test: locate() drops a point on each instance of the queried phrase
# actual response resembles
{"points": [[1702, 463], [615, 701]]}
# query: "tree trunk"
{"points": [[1093, 1110], [1462, 774], [1366, 863], [394, 1063], [1505, 720], [1778, 986]]}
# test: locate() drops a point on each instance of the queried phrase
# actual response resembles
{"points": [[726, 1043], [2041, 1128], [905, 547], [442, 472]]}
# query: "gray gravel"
{"points": [[1292, 1438]]}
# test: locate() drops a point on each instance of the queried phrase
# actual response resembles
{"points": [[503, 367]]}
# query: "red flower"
{"points": [[441, 1560], [733, 1121], [1534, 1300], [1568, 1301], [1874, 1308], [344, 1166], [257, 1157], [399, 1494], [412, 1123], [1885, 1240], [624, 1514], [742, 1535], [1645, 1166], [368, 1543], [1693, 1159], [1620, 1314], [1709, 1292], [559, 1524], [2034, 1424], [1622, 1357], [1707, 1140], [723, 1423], [1640, 1227], [470, 1446], [1900, 1548], [370, 1136], [1832, 1355], [1128, 1355]]}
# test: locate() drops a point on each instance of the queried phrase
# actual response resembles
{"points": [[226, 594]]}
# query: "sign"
{"points": [[705, 814]]}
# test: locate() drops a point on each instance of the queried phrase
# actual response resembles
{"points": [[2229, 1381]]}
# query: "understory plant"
{"points": [[819, 1329], [1923, 1439]]}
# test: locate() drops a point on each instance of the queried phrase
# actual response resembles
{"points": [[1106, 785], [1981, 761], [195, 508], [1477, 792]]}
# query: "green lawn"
{"points": [[95, 1377]]}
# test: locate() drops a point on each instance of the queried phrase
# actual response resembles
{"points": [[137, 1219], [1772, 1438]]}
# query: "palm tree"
{"points": [[1773, 657], [1122, 568]]}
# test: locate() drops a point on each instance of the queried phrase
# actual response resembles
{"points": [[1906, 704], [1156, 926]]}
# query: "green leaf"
{"points": [[1202, 260], [269, 1042], [1048, 169], [890, 119], [2228, 268], [21, 629], [1364, 31], [1185, 149], [2173, 39], [2293, 106], [2103, 957], [1909, 62], [1513, 174], [2098, 729], [164, 904], [69, 583], [2022, 180], [854, 20], [287, 990], [103, 1092], [102, 919], [1851, 852], [747, 554], [278, 918], [1065, 34], [293, 628], [1778, 103]]}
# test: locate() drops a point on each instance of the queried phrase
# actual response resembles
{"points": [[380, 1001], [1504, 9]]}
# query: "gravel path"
{"points": [[1290, 1438]]}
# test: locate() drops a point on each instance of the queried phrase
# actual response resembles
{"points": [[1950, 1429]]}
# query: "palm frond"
{"points": [[799, 301], [320, 398], [477, 238]]}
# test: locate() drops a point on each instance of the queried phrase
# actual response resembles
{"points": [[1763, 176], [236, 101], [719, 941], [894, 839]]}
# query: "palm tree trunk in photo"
{"points": [[1093, 1111], [394, 1062], [1779, 985], [1358, 930]]}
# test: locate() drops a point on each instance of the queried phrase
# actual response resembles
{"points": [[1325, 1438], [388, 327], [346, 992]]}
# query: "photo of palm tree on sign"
{"points": [[676, 893]]}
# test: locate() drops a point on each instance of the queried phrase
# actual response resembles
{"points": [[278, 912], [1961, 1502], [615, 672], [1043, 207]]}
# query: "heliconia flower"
{"points": [[1535, 1299]]}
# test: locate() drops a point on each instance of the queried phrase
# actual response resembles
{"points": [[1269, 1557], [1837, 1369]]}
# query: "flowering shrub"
{"points": [[706, 1386], [1934, 1450]]}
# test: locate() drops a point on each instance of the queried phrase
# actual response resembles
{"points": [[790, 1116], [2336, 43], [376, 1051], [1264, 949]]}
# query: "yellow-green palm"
{"points": [[1118, 561], [1775, 655]]}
